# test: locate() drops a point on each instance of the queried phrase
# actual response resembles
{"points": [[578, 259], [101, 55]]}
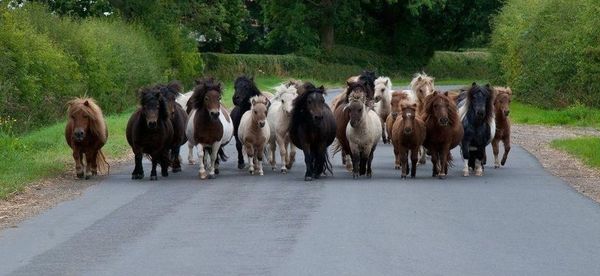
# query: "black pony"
{"points": [[150, 131], [178, 119], [476, 110], [368, 79], [245, 88], [312, 129]]}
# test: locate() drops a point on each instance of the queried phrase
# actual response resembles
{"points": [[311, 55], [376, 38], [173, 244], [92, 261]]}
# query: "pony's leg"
{"points": [[478, 167], [250, 153], [423, 153], [88, 164], [214, 154], [190, 153], [153, 175], [404, 162], [138, 171], [283, 153], [506, 142], [308, 160], [496, 150], [94, 163], [414, 156], [202, 169], [443, 160], [272, 149], [384, 135], [291, 155], [465, 148], [435, 164], [369, 161], [164, 164], [238, 146], [355, 164], [259, 157], [175, 159], [78, 156], [348, 161], [398, 162]]}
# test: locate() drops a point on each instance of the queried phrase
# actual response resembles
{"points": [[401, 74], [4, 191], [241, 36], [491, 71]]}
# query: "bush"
{"points": [[45, 60], [229, 66], [473, 65], [340, 54], [548, 51]]}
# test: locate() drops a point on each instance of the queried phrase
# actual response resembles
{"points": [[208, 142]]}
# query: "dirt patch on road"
{"points": [[536, 140]]}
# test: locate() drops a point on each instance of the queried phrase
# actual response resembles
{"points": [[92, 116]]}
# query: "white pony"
{"points": [[383, 103], [254, 132], [279, 117], [363, 132], [209, 125]]}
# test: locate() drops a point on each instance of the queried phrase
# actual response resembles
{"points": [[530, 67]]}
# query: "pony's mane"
{"points": [[250, 84], [284, 89], [503, 90], [420, 79], [355, 86], [368, 79], [465, 102], [203, 86], [452, 109], [385, 81], [148, 94], [260, 99], [357, 96], [89, 107], [300, 101]]}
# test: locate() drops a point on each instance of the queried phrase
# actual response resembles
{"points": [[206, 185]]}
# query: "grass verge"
{"points": [[585, 148], [577, 115]]}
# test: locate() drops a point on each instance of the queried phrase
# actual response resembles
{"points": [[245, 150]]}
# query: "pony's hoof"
{"points": [[479, 173], [442, 176], [216, 171], [80, 175], [164, 174], [137, 176], [288, 166], [283, 171], [261, 173], [94, 173], [316, 176], [422, 162], [307, 178], [496, 166], [191, 162], [153, 177], [241, 166], [251, 172], [176, 170], [466, 173], [412, 176], [202, 175], [355, 176], [397, 167], [87, 177], [211, 176], [403, 177]]}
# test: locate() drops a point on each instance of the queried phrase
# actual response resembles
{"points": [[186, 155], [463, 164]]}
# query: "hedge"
{"points": [[549, 51], [473, 65]]}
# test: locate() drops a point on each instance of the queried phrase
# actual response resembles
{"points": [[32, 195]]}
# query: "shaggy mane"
{"points": [[452, 109], [93, 111], [203, 86]]}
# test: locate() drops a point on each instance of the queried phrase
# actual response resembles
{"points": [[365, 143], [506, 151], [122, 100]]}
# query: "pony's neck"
{"points": [[501, 118]]}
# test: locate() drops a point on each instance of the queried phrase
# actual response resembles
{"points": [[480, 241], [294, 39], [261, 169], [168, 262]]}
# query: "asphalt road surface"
{"points": [[517, 220]]}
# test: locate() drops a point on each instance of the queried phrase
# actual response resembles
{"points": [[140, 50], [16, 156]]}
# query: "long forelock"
{"points": [[92, 110]]}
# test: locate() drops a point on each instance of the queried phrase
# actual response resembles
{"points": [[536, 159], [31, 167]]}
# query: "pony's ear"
{"points": [[322, 87], [348, 83], [252, 101], [414, 105], [419, 78], [487, 86], [197, 81], [474, 84], [86, 103], [386, 82], [446, 93], [346, 107], [509, 90]]}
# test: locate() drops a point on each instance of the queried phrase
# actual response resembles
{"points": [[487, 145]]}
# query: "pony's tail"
{"points": [[449, 160], [336, 147], [323, 165], [222, 155], [103, 166]]}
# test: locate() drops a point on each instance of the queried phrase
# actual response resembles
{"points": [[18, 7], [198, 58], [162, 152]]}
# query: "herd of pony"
{"points": [[418, 122]]}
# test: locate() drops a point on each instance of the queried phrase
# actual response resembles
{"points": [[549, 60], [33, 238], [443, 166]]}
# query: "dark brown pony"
{"points": [[178, 118], [502, 109], [398, 97], [150, 132], [408, 135], [444, 130], [86, 133], [342, 117], [312, 129]]}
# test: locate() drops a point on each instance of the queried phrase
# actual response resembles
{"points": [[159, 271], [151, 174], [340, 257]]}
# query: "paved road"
{"points": [[518, 220]]}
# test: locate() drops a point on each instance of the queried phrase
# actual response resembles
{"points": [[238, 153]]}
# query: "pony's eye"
{"points": [[282, 101], [255, 112]]}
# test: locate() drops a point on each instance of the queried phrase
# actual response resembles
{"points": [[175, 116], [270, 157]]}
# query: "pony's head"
{"points": [[368, 79], [383, 86], [357, 87], [170, 92], [311, 101], [356, 107], [86, 117], [245, 88], [502, 100], [207, 96], [285, 95], [259, 110], [481, 100], [409, 113], [398, 98], [440, 108], [422, 85], [154, 106]]}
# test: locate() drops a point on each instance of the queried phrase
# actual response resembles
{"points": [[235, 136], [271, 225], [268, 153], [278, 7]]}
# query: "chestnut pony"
{"points": [[86, 133], [502, 109], [444, 130]]}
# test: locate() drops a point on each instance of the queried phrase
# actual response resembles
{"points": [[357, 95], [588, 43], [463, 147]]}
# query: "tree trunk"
{"points": [[326, 30], [327, 36]]}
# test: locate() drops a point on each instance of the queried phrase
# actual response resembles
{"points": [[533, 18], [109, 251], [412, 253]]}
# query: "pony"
{"points": [[209, 125], [279, 117], [408, 135], [363, 131], [383, 98], [367, 78], [178, 119], [444, 131], [245, 88], [150, 131], [421, 86], [398, 98], [254, 132], [502, 109], [312, 129], [476, 109], [342, 117], [86, 133]]}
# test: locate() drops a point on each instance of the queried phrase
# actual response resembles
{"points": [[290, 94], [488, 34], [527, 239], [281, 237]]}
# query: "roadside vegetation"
{"points": [[585, 148]]}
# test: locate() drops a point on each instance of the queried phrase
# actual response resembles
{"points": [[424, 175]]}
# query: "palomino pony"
{"points": [[86, 133], [422, 86], [254, 133], [383, 105], [363, 132], [150, 132], [342, 117], [209, 125], [476, 110], [179, 120], [312, 129], [245, 88], [408, 135], [502, 109], [444, 131], [279, 117]]}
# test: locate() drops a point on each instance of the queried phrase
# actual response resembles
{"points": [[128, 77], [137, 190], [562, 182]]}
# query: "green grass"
{"points": [[577, 115], [45, 153], [586, 148]]}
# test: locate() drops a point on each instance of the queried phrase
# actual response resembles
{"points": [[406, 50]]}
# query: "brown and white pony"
{"points": [[408, 135], [382, 106], [502, 109], [254, 133], [363, 132], [444, 130], [86, 134]]}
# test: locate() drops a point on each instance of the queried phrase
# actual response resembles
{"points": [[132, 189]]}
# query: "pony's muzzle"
{"points": [[215, 114], [407, 130], [506, 112], [152, 124], [394, 115], [377, 98], [444, 121], [318, 118], [261, 124], [79, 135]]}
